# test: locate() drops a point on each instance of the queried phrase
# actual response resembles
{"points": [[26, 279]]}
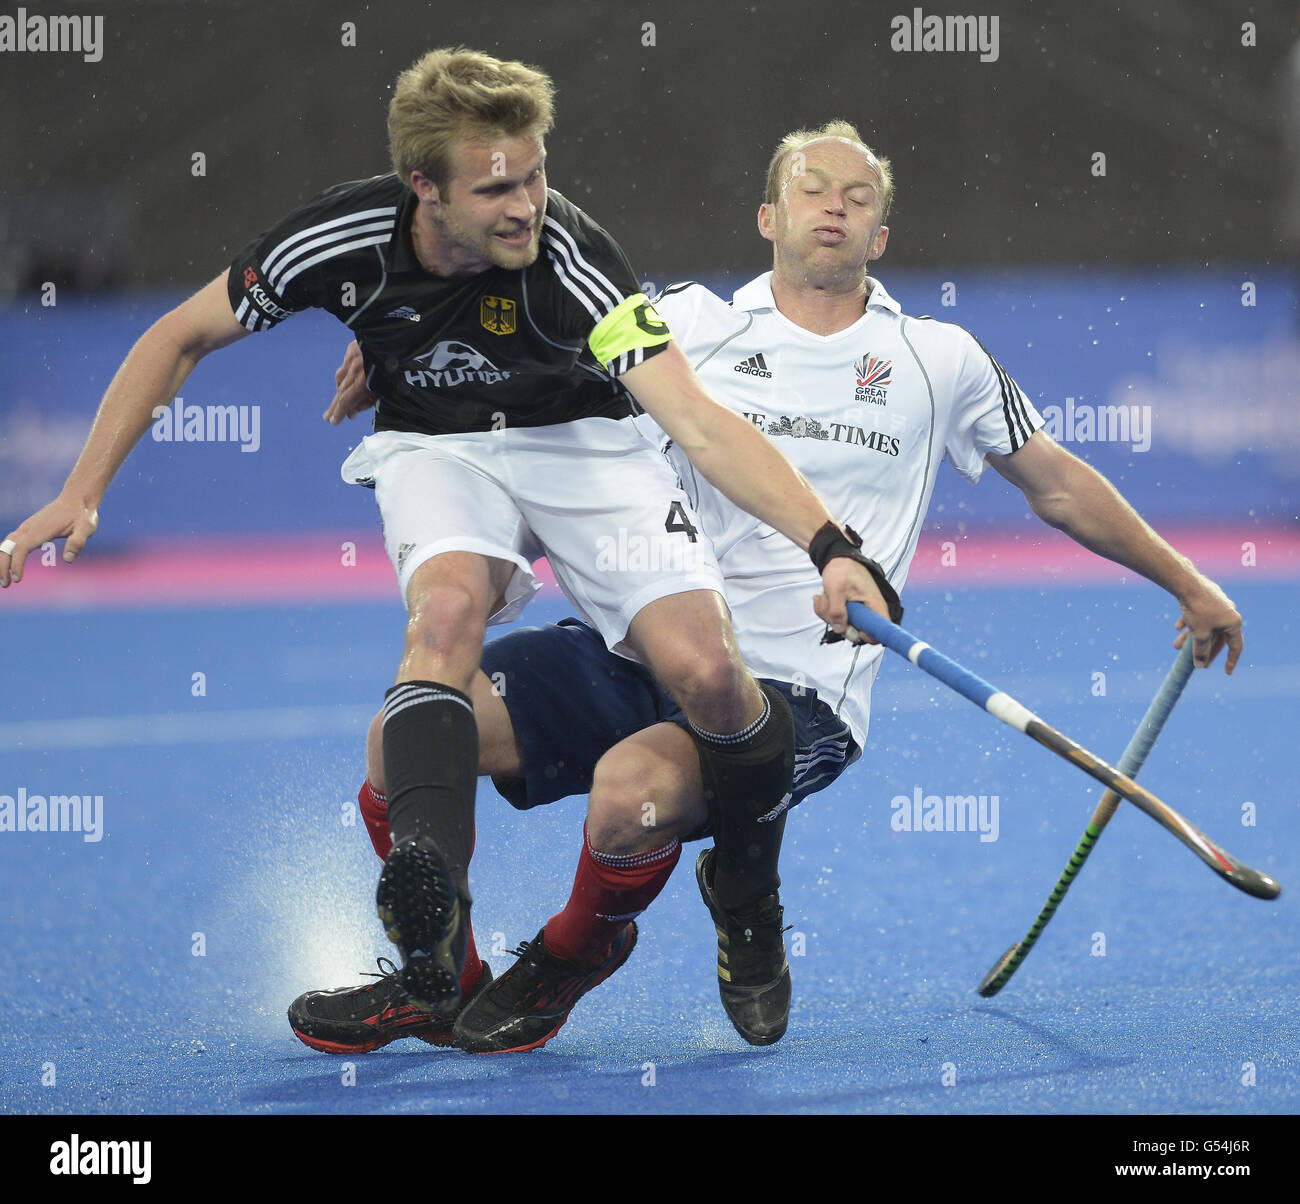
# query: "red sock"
{"points": [[607, 892], [473, 969], [374, 811]]}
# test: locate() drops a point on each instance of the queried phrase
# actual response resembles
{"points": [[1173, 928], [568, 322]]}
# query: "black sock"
{"points": [[431, 770], [748, 776]]}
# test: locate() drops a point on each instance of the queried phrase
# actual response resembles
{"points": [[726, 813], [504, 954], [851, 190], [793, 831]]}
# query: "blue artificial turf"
{"points": [[228, 815]]}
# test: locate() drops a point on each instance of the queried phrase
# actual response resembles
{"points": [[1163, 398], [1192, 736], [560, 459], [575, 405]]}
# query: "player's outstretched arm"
{"points": [[748, 469], [1075, 498], [149, 377]]}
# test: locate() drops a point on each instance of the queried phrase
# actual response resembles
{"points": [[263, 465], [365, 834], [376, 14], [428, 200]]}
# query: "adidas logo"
{"points": [[404, 312], [775, 813], [756, 365]]}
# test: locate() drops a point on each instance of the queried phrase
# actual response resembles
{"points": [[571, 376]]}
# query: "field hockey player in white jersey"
{"points": [[867, 402]]}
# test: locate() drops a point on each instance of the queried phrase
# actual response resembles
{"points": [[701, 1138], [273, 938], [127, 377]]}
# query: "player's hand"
{"points": [[64, 516], [847, 581], [351, 396], [1212, 620]]}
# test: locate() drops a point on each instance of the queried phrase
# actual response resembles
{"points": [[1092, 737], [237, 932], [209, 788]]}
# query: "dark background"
{"points": [[666, 145]]}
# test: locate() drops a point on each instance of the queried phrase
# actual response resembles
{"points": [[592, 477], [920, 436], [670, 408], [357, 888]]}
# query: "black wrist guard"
{"points": [[831, 542]]}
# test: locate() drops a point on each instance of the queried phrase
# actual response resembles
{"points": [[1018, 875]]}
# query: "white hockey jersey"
{"points": [[867, 415]]}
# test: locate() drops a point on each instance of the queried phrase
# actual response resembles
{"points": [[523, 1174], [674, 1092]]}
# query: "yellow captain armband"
{"points": [[634, 323]]}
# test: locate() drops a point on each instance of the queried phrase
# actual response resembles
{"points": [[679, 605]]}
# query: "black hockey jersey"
{"points": [[505, 347]]}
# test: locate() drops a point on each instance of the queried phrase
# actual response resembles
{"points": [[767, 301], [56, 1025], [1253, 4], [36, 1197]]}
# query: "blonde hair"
{"points": [[832, 129], [455, 93]]}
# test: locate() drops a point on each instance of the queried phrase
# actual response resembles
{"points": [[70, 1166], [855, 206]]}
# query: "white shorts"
{"points": [[592, 496]]}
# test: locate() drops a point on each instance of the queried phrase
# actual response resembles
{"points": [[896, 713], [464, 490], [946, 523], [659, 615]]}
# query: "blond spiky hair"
{"points": [[458, 93]]}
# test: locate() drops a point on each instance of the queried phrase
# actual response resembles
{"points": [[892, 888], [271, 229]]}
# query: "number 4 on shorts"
{"points": [[677, 521]]}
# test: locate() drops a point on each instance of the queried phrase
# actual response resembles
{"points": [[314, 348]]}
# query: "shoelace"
{"points": [[516, 984], [390, 973], [751, 918]]}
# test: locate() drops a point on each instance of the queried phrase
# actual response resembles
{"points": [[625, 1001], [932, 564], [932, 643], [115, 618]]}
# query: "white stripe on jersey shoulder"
{"points": [[363, 215], [593, 303], [582, 263], [330, 253], [584, 298], [338, 227], [602, 289], [281, 273]]}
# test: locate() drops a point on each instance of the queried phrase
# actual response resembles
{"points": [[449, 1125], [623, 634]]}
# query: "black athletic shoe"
{"points": [[753, 974], [530, 1002], [421, 913], [353, 1020]]}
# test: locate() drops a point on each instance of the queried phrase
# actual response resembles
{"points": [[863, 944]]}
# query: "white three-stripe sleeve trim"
{"points": [[268, 264], [328, 254], [277, 275], [245, 317]]}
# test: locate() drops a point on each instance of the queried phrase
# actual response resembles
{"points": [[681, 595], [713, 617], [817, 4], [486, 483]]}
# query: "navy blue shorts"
{"points": [[571, 700]]}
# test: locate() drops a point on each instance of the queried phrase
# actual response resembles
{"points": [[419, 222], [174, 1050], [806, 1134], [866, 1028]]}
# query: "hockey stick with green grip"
{"points": [[1130, 763]]}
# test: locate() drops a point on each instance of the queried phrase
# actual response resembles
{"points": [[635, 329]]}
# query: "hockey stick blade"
{"points": [[989, 985], [1004, 707]]}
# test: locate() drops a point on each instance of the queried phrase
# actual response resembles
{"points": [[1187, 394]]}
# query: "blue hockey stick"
{"points": [[1003, 706]]}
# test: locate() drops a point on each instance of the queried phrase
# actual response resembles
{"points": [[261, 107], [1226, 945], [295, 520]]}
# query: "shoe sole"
{"points": [[442, 1039], [752, 1036], [627, 952], [418, 907], [337, 1047]]}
